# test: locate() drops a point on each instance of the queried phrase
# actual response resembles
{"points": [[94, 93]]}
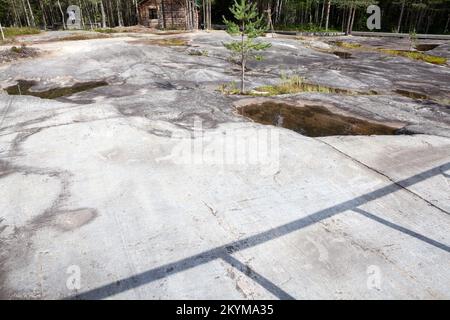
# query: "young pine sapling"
{"points": [[249, 25]]}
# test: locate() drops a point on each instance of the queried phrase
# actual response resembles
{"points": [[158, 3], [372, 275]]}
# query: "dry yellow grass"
{"points": [[416, 56], [167, 42], [296, 84]]}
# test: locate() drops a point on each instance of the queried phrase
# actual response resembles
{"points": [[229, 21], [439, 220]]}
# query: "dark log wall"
{"points": [[172, 14], [144, 18]]}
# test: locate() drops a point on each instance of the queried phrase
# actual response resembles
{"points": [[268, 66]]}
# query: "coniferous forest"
{"points": [[420, 16]]}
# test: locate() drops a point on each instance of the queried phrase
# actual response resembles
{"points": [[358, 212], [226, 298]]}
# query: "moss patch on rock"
{"points": [[415, 55]]}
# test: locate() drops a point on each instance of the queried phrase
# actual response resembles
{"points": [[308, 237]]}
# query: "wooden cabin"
{"points": [[169, 14]]}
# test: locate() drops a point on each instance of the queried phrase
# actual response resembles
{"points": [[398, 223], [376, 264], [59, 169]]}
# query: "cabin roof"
{"points": [[142, 2]]}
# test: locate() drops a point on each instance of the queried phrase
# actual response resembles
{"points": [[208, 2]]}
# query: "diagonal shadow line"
{"points": [[407, 231], [150, 275], [5, 112], [252, 241], [261, 280]]}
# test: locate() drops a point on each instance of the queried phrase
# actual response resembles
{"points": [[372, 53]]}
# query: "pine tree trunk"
{"points": [[316, 13], [137, 11], [401, 17], [353, 20], [446, 25], [62, 15], [112, 23], [209, 15], [186, 9], [328, 15], [277, 11], [429, 19], [163, 12], [26, 13], [419, 20], [407, 19], [243, 60], [17, 21], [1, 31], [43, 14], [102, 9], [119, 14], [33, 22], [91, 25], [81, 14], [322, 14], [349, 21], [204, 13], [52, 16]]}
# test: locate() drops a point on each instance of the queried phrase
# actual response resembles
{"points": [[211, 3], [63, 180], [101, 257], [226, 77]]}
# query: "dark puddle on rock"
{"points": [[343, 55], [412, 94], [426, 47], [313, 121], [23, 87]]}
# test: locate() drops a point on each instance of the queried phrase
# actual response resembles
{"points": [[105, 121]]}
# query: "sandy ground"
{"points": [[149, 188]]}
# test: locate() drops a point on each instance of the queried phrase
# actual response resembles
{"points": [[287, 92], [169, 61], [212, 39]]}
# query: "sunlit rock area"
{"points": [[130, 162]]}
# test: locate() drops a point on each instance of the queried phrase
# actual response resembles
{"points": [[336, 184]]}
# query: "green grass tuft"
{"points": [[229, 88], [14, 32], [199, 53], [10, 33], [87, 36], [291, 85], [169, 42]]}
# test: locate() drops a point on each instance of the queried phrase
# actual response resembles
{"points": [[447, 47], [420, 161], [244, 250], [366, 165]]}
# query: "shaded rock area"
{"points": [[154, 186], [343, 55], [426, 46], [25, 87]]}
